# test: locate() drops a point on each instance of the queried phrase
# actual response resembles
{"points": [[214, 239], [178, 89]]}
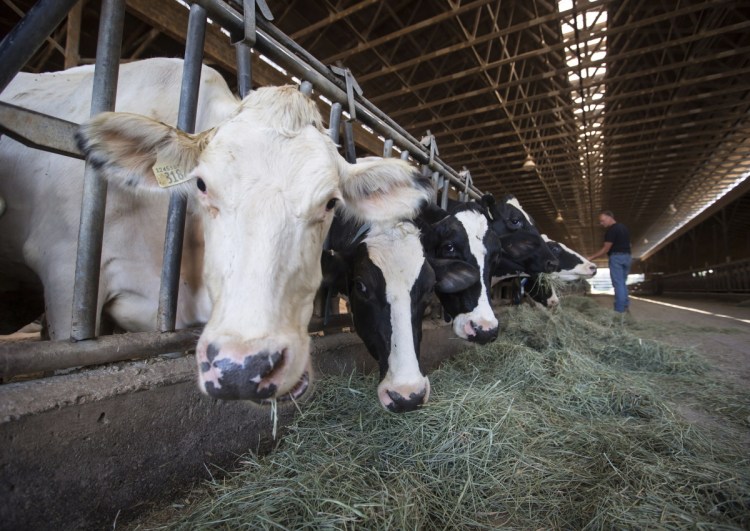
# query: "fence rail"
{"points": [[18, 47], [731, 277]]}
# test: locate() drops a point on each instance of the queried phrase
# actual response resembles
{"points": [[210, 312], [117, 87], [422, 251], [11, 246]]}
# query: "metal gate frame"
{"points": [[40, 131]]}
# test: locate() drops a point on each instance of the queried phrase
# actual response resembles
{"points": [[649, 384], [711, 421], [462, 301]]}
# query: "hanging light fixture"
{"points": [[529, 164], [559, 218]]}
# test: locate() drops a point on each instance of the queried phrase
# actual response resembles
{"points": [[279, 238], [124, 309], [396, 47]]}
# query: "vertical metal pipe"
{"points": [[91, 225], [244, 69], [306, 88], [388, 147], [405, 155], [334, 126], [350, 152], [191, 76], [29, 34], [444, 199], [334, 123], [435, 182]]}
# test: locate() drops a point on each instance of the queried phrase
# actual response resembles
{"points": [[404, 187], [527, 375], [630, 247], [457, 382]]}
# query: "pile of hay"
{"points": [[565, 422]]}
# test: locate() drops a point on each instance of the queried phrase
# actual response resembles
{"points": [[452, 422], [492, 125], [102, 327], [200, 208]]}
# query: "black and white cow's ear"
{"points": [[378, 189], [135, 151], [488, 202], [452, 276]]}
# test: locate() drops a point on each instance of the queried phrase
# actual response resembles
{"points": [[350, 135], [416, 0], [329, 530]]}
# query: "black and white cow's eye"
{"points": [[514, 222], [556, 249], [447, 248], [360, 287], [201, 184]]}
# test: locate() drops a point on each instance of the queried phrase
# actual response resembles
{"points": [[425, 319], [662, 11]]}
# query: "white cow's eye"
{"points": [[201, 185], [331, 203]]}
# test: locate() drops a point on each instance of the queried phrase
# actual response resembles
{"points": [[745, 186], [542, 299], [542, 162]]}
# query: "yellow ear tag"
{"points": [[168, 174]]}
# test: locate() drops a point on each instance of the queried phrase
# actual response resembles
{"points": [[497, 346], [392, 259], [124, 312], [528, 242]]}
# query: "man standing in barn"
{"points": [[617, 247]]}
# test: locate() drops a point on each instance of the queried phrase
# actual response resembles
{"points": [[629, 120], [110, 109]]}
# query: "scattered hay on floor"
{"points": [[564, 422]]}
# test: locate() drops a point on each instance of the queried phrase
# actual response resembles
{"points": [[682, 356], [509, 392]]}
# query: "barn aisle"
{"points": [[716, 326]]}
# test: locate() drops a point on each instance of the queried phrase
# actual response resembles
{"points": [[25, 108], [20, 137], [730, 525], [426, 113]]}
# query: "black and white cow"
{"points": [[523, 248], [572, 266], [464, 234], [388, 280], [262, 179]]}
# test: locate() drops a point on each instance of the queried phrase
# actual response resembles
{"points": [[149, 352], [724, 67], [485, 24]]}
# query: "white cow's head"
{"points": [[266, 182]]}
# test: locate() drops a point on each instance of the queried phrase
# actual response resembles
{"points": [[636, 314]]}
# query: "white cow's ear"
{"points": [[377, 189], [136, 151]]}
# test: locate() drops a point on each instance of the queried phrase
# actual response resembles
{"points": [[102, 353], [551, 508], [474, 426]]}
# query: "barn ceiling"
{"points": [[637, 106]]}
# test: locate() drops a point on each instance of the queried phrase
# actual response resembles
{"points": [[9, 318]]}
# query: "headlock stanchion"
{"points": [[248, 32], [388, 147], [444, 198], [465, 174], [91, 226], [191, 76], [284, 51], [334, 122]]}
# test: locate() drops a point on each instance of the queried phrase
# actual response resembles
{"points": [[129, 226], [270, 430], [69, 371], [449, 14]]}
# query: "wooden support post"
{"points": [[73, 36]]}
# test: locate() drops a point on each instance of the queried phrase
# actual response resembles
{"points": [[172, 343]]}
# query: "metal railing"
{"points": [[730, 277], [18, 47]]}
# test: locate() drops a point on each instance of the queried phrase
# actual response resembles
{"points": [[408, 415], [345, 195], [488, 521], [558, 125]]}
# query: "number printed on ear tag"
{"points": [[168, 174]]}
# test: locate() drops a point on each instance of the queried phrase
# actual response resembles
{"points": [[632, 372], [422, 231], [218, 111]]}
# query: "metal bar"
{"points": [[191, 76], [444, 199], [244, 69], [350, 152], [39, 131], [405, 154], [306, 88], [27, 36], [388, 148], [53, 355], [334, 122], [91, 226], [281, 49]]}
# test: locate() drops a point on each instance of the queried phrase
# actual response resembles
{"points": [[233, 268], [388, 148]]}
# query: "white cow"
{"points": [[262, 180]]}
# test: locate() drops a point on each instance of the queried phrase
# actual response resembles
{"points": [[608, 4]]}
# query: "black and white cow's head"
{"points": [[524, 250], [464, 235], [541, 291], [389, 282], [264, 184], [571, 265]]}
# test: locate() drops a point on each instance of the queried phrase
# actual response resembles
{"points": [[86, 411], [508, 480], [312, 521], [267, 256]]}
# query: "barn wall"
{"points": [[81, 450], [721, 238]]}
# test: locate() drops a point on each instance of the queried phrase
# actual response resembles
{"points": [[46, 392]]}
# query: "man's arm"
{"points": [[601, 252]]}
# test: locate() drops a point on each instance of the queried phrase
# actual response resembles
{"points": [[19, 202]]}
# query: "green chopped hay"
{"points": [[566, 421], [548, 281]]}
